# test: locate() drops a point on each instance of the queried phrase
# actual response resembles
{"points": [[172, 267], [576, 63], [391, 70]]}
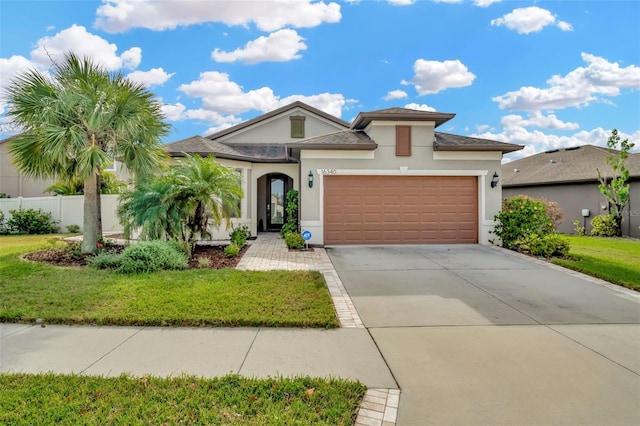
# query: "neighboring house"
{"points": [[388, 178], [569, 177], [14, 184]]}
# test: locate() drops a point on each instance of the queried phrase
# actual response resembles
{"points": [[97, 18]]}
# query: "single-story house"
{"points": [[569, 177], [387, 178]]}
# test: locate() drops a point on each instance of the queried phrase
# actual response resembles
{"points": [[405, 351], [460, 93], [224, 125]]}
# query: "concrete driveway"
{"points": [[475, 335]]}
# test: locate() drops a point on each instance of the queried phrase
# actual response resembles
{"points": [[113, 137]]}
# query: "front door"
{"points": [[276, 190]]}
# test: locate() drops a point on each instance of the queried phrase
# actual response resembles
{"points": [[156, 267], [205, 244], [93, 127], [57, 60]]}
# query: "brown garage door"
{"points": [[400, 210]]}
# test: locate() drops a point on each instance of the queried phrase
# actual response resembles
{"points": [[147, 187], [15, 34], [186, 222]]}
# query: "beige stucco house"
{"points": [[387, 178]]}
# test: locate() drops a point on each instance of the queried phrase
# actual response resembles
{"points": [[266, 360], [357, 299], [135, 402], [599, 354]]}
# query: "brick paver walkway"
{"points": [[269, 252]]}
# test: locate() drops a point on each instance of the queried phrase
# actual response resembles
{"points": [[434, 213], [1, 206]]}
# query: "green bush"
{"points": [[232, 250], [294, 240], [152, 256], [32, 221], [291, 207], [73, 229], [578, 228], [106, 261], [604, 226], [549, 246], [4, 227], [521, 218], [239, 235]]}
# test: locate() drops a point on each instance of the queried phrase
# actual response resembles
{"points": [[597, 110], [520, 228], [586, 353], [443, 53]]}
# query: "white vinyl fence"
{"points": [[68, 210]]}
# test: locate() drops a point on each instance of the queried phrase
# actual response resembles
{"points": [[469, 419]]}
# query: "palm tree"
{"points": [[109, 184], [184, 203], [79, 119]]}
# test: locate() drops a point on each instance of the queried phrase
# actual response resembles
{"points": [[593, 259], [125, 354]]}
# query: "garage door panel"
{"points": [[407, 209]]}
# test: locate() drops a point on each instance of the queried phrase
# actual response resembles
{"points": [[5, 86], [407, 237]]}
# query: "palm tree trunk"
{"points": [[91, 215], [99, 198]]}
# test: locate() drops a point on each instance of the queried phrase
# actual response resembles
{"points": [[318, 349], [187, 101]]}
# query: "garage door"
{"points": [[400, 210]]}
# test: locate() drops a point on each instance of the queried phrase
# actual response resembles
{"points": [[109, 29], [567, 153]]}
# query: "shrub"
{"points": [[549, 246], [106, 261], [604, 226], [578, 228], [73, 229], [291, 207], [521, 218], [239, 235], [232, 250], [31, 221], [204, 263], [152, 256], [294, 240], [4, 226]]}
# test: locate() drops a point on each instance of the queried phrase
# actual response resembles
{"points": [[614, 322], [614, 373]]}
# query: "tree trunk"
{"points": [[99, 198], [90, 222]]}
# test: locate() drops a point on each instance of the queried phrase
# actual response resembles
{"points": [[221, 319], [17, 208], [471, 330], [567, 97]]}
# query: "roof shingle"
{"points": [[577, 164]]}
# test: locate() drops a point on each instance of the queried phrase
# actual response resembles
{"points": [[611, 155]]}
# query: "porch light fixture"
{"points": [[310, 179], [495, 180]]}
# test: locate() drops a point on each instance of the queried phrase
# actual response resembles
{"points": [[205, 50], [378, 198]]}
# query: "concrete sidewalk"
{"points": [[348, 352], [208, 352]]}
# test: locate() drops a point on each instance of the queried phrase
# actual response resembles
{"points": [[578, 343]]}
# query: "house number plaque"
{"points": [[329, 171]]}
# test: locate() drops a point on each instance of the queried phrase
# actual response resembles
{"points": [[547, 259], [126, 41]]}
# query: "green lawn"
{"points": [[231, 400], [195, 297], [616, 260]]}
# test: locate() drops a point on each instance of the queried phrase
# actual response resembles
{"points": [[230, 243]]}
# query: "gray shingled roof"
{"points": [[256, 152], [344, 139], [577, 164], [449, 142], [400, 114]]}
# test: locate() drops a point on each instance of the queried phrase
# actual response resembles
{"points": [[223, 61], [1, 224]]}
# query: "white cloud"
{"points": [[395, 94], [280, 46], [420, 107], [481, 127], [537, 119], [448, 1], [116, 16], [432, 76], [222, 95], [565, 26], [401, 2], [77, 39], [485, 3], [578, 88], [222, 99], [514, 131], [528, 20], [173, 112], [153, 77]]}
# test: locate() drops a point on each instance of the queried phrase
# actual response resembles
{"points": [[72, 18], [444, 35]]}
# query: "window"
{"points": [[403, 141], [297, 126]]}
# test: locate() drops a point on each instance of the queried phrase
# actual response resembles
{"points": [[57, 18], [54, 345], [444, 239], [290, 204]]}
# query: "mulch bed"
{"points": [[215, 255]]}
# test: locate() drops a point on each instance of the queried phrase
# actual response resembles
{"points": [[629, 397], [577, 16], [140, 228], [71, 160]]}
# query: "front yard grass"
{"points": [[231, 400], [225, 297], [616, 260]]}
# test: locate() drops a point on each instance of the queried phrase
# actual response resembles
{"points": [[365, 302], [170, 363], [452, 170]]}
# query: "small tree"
{"points": [[616, 190], [183, 203], [76, 120]]}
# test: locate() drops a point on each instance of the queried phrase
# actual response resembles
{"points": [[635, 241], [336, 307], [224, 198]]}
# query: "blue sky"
{"points": [[545, 74]]}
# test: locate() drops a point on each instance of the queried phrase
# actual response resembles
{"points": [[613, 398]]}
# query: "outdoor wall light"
{"points": [[310, 179], [495, 180]]}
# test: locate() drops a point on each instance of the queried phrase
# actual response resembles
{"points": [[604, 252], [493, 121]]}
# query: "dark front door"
{"points": [[276, 190]]}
